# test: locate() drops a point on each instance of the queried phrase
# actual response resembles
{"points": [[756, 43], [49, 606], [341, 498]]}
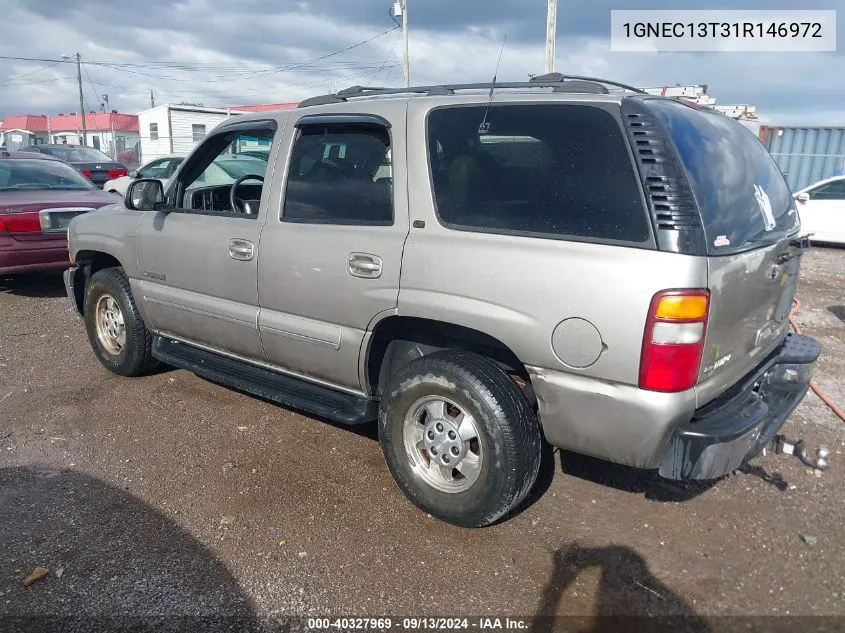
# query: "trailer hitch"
{"points": [[783, 445]]}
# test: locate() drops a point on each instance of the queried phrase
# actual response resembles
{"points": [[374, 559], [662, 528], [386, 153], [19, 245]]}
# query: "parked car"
{"points": [[822, 210], [255, 153], [611, 271], [92, 163], [161, 168], [38, 197]]}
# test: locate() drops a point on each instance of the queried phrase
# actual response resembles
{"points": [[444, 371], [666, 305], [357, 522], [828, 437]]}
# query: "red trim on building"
{"points": [[97, 122]]}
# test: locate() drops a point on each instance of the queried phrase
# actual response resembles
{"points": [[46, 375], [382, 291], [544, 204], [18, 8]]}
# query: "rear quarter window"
{"points": [[545, 170], [744, 199]]}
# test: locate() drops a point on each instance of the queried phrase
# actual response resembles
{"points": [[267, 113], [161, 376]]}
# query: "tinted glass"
{"points": [[40, 174], [77, 154], [830, 191], [547, 170], [744, 198], [340, 174]]}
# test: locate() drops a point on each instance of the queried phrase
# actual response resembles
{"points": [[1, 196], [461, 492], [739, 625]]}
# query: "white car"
{"points": [[161, 168], [821, 207]]}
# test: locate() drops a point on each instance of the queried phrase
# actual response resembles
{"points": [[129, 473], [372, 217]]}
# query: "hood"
{"points": [[35, 200]]}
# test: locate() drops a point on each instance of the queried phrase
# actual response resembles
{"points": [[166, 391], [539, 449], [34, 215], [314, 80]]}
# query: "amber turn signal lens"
{"points": [[682, 307]]}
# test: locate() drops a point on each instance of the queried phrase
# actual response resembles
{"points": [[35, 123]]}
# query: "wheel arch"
{"points": [[397, 340], [89, 262]]}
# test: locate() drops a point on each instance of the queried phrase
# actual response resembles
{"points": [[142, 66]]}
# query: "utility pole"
{"points": [[81, 100], [152, 99], [407, 61], [551, 29]]}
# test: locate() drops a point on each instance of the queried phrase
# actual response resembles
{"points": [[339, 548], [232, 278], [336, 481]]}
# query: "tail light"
{"points": [[86, 173], [20, 222], [117, 173], [673, 341]]}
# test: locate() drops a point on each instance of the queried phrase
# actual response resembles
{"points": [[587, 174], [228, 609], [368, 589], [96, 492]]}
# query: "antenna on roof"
{"points": [[484, 128]]}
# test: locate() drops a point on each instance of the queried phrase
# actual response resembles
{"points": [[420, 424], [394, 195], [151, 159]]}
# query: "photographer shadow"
{"points": [[629, 597]]}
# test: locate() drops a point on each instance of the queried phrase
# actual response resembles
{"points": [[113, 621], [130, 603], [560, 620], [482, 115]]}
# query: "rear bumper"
{"points": [[733, 429], [32, 256]]}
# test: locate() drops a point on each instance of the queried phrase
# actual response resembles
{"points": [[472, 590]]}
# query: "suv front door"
{"points": [[331, 256], [198, 259]]}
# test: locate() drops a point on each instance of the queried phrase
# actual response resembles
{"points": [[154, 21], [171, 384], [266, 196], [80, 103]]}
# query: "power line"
{"points": [[91, 84], [264, 73], [37, 70]]}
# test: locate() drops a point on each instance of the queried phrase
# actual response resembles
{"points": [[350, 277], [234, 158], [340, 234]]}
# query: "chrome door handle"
{"points": [[242, 250], [364, 265]]}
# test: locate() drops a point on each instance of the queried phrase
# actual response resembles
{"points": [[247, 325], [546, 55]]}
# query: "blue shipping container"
{"points": [[806, 154]]}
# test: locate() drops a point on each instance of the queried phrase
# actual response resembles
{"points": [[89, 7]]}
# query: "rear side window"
{"points": [[547, 170], [340, 174], [744, 199]]}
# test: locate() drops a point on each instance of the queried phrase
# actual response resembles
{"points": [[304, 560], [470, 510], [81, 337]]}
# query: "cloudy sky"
{"points": [[231, 52]]}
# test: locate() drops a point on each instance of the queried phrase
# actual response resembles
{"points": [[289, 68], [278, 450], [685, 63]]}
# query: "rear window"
{"points": [[37, 173], [77, 154], [548, 170], [744, 199]]}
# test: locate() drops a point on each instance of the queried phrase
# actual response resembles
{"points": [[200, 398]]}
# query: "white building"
{"points": [[176, 129]]}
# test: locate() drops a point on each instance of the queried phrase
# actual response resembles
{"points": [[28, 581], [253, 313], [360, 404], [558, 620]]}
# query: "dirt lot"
{"points": [[171, 495]]}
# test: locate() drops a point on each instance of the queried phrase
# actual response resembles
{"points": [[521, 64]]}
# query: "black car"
{"points": [[94, 164]]}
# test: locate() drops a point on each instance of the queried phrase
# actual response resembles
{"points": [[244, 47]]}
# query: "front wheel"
{"points": [[120, 339], [459, 437]]}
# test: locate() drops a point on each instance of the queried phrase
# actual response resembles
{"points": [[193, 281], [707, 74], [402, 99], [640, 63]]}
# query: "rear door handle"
{"points": [[364, 265], [241, 250]]}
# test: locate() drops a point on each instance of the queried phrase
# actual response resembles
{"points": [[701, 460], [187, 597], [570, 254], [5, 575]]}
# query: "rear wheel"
{"points": [[116, 331], [459, 437]]}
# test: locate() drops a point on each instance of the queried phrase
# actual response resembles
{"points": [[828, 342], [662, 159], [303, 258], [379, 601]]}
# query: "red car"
{"points": [[39, 195]]}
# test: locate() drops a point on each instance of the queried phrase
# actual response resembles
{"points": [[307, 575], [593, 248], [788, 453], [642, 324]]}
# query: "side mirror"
{"points": [[133, 173], [803, 197], [145, 194]]}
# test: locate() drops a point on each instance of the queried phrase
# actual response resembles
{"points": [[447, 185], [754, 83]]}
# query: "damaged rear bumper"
{"points": [[726, 433]]}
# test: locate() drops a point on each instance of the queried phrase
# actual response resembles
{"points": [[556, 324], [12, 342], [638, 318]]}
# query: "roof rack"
{"points": [[557, 81]]}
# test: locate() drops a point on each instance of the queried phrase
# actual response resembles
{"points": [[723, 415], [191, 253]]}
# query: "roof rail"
{"points": [[556, 81]]}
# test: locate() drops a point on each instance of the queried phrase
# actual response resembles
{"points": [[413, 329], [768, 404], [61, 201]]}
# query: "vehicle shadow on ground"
{"points": [[629, 597], [627, 479], [39, 285], [114, 562], [838, 312]]}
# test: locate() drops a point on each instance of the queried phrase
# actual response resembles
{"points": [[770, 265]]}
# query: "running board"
{"points": [[288, 391]]}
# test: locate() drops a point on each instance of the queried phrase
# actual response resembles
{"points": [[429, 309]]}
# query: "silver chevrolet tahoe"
{"points": [[478, 268]]}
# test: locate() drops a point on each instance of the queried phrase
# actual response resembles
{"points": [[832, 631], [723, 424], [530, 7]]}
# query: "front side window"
{"points": [[831, 191], [206, 180], [340, 174], [40, 174], [547, 170], [153, 131]]}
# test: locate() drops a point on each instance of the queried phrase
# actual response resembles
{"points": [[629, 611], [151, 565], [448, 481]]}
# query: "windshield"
{"points": [[744, 199], [77, 154], [40, 174]]}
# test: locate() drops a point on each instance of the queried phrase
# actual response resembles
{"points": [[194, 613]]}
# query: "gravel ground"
{"points": [[169, 495]]}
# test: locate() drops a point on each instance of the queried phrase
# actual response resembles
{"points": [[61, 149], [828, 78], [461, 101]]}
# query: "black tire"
{"points": [[136, 357], [507, 429]]}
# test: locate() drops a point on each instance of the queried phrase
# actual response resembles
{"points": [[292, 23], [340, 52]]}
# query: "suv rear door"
{"points": [[749, 219], [332, 252]]}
